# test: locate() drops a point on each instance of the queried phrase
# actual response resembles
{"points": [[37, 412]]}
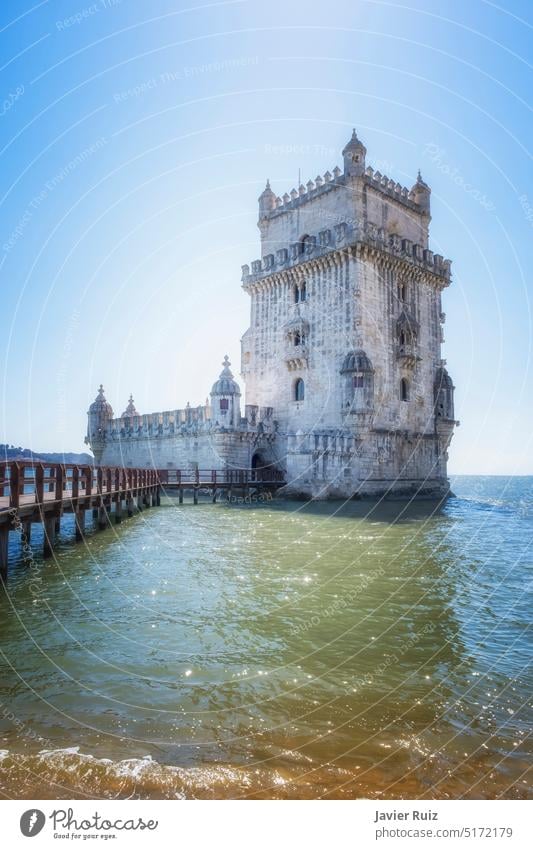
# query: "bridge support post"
{"points": [[26, 533], [158, 497], [180, 495], [103, 520], [4, 540], [214, 495], [118, 511], [58, 525], [140, 503], [154, 498], [95, 512], [80, 524], [49, 526], [195, 495], [129, 505]]}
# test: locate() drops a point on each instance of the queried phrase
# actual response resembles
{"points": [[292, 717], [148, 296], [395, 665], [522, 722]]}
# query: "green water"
{"points": [[276, 650]]}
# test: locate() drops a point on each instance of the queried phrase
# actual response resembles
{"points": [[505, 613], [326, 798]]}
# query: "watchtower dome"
{"points": [[225, 398]]}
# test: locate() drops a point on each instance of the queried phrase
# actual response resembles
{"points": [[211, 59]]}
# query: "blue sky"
{"points": [[135, 138]]}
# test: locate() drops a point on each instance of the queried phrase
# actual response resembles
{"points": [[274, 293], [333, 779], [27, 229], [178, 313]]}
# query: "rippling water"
{"points": [[282, 650]]}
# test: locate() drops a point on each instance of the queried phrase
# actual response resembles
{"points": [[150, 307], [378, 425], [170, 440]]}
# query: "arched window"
{"points": [[402, 292], [296, 294], [299, 390], [297, 339], [404, 389], [303, 291]]}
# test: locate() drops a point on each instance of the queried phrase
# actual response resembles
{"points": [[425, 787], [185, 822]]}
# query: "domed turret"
{"points": [[130, 409], [267, 201], [225, 398], [443, 392], [99, 414], [420, 193], [354, 157]]}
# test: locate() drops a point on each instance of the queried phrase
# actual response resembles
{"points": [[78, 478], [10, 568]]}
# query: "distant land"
{"points": [[11, 452]]}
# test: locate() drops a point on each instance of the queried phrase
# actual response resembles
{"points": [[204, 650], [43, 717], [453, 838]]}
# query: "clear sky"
{"points": [[135, 138]]}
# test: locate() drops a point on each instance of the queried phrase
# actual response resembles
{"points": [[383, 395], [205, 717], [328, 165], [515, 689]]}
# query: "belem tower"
{"points": [[346, 392]]}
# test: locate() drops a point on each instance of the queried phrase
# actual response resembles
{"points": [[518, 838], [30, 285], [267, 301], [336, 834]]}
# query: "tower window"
{"points": [[404, 389], [358, 381], [299, 390], [402, 292], [224, 405], [296, 295], [303, 291]]}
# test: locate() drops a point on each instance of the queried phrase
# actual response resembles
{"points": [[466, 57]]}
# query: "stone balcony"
{"points": [[295, 356], [408, 354]]}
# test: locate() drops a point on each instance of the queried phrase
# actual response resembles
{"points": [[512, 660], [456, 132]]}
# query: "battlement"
{"points": [[332, 181], [167, 421], [344, 236]]}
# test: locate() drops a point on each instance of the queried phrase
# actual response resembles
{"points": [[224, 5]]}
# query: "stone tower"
{"points": [[345, 334], [99, 415]]}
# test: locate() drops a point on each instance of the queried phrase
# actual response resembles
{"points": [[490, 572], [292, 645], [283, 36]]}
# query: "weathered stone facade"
{"points": [[346, 390]]}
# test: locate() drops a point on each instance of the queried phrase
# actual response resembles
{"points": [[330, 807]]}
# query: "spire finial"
{"points": [[101, 389], [226, 362]]}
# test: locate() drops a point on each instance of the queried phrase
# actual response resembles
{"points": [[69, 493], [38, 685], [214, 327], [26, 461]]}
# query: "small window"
{"points": [[299, 390], [303, 292], [296, 295], [402, 292], [224, 405], [358, 381], [404, 389], [297, 339]]}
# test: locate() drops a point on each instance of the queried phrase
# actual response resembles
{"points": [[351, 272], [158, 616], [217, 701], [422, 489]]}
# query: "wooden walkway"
{"points": [[43, 492]]}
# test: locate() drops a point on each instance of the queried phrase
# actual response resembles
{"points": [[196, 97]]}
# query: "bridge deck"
{"points": [[42, 492]]}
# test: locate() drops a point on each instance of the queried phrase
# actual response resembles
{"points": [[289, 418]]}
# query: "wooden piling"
{"points": [[4, 540], [80, 524], [49, 526], [129, 505], [26, 533], [195, 495], [118, 511], [103, 520]]}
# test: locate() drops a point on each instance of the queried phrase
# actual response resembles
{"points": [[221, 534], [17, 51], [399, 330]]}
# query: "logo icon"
{"points": [[32, 822]]}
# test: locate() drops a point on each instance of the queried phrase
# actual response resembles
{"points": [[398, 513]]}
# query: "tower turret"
{"points": [[354, 157], [130, 409], [225, 398], [99, 414], [267, 201], [420, 194]]}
